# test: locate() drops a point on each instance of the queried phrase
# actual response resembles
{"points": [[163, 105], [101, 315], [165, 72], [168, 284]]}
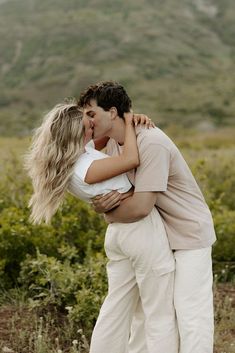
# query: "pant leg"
{"points": [[193, 300], [139, 328], [154, 265], [112, 329], [137, 341], [156, 292]]}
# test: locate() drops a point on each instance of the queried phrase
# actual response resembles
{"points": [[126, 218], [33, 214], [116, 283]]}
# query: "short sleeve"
{"points": [[85, 161], [153, 171]]}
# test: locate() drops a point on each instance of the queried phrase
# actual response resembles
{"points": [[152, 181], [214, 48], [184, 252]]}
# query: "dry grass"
{"points": [[30, 331], [224, 318]]}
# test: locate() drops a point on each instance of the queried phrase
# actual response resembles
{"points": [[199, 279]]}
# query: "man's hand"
{"points": [[102, 204]]}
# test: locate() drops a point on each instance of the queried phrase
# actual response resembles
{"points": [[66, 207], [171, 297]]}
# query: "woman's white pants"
{"points": [[141, 267], [193, 299]]}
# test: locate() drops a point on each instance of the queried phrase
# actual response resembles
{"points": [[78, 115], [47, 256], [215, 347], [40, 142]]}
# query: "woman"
{"points": [[63, 158]]}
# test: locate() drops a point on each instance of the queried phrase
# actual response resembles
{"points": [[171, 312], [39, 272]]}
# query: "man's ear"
{"points": [[113, 112]]}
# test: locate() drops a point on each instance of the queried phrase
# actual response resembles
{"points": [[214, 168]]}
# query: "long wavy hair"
{"points": [[56, 146]]}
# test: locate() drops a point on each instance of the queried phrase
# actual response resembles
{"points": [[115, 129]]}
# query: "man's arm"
{"points": [[151, 177], [133, 208]]}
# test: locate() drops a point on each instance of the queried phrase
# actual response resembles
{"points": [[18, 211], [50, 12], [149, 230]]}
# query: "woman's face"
{"points": [[88, 127]]}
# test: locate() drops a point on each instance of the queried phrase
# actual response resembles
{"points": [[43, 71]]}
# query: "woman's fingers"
{"points": [[138, 119], [143, 120]]}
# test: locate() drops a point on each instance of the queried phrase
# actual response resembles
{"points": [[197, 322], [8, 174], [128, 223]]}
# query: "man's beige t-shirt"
{"points": [[162, 169]]}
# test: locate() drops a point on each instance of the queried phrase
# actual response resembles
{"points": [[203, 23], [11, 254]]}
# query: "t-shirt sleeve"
{"points": [[153, 171], [83, 166]]}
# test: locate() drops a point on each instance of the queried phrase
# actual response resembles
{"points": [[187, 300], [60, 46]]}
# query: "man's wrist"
{"points": [[108, 217]]}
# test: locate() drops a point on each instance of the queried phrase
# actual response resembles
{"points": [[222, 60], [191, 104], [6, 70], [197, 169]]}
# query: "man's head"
{"points": [[103, 103], [107, 94]]}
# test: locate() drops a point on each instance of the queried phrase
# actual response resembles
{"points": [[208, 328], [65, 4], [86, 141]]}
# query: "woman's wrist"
{"points": [[128, 117]]}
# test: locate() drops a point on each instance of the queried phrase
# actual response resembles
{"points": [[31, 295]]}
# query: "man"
{"points": [[162, 180]]}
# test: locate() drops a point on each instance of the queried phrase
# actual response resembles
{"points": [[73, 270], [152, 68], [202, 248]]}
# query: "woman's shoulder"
{"points": [[85, 159]]}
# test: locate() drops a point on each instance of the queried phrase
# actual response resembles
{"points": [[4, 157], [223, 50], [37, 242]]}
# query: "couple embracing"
{"points": [[160, 230]]}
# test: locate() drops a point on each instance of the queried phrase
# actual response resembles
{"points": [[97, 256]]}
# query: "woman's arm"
{"points": [[106, 168], [138, 119]]}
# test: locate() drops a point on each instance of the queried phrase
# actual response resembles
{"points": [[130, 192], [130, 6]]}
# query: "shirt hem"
{"points": [[150, 188]]}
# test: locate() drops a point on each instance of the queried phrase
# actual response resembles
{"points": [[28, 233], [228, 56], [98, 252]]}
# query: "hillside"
{"points": [[176, 59]]}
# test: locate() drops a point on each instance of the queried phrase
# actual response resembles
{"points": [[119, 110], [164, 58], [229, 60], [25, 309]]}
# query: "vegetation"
{"points": [[175, 58], [57, 272], [25, 330]]}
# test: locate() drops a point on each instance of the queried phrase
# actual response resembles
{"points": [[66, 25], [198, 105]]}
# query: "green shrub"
{"points": [[79, 289], [76, 230], [75, 225]]}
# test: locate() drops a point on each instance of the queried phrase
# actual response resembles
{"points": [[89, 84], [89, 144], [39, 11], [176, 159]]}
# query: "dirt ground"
{"points": [[15, 319]]}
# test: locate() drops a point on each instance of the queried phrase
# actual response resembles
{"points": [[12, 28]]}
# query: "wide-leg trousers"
{"points": [[193, 299], [141, 267]]}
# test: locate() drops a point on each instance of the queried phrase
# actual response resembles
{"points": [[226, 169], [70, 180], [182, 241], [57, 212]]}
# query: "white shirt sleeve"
{"points": [[85, 161], [86, 191]]}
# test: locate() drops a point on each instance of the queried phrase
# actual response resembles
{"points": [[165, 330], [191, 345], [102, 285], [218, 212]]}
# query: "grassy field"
{"points": [[176, 60], [23, 330], [30, 326]]}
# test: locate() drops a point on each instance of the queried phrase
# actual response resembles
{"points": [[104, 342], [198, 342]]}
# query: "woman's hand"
{"points": [[143, 119], [137, 119]]}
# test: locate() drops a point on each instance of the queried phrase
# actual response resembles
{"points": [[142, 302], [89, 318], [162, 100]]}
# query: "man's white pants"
{"points": [[193, 300], [141, 265]]}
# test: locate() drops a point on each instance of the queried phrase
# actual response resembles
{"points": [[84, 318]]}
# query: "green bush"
{"points": [[75, 225], [62, 265], [77, 288]]}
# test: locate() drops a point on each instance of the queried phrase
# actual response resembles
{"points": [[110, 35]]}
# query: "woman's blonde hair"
{"points": [[56, 146]]}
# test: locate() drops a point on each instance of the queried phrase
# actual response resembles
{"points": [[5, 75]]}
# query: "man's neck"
{"points": [[118, 131]]}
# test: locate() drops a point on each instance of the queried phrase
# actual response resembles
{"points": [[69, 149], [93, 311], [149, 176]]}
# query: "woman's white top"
{"points": [[84, 191]]}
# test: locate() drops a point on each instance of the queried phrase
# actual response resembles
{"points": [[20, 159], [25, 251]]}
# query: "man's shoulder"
{"points": [[154, 136], [145, 138]]}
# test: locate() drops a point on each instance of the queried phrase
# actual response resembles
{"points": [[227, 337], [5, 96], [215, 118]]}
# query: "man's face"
{"points": [[100, 120]]}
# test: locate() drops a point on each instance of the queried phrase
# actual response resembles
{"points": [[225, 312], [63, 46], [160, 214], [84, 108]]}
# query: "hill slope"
{"points": [[176, 59]]}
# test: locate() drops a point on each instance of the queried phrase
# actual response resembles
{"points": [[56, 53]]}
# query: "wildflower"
{"points": [[69, 308], [75, 342], [7, 350]]}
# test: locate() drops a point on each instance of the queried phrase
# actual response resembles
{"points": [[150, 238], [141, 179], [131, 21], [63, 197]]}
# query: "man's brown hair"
{"points": [[107, 94]]}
